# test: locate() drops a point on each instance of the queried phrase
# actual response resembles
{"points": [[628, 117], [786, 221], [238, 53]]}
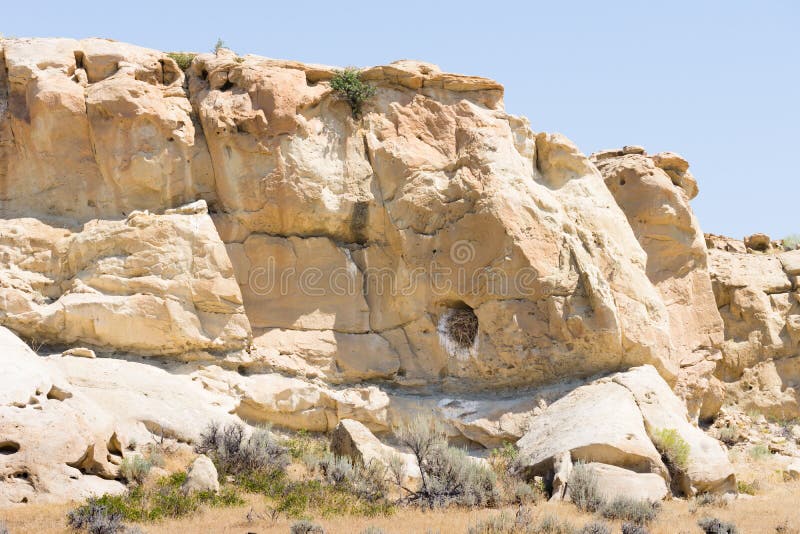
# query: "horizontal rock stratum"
{"points": [[229, 239]]}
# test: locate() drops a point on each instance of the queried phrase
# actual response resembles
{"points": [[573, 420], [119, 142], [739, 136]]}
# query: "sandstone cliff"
{"points": [[279, 261]]}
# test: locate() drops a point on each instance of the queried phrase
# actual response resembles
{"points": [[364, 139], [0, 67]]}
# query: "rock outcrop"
{"points": [[616, 421], [758, 295], [461, 205], [227, 243], [654, 192]]}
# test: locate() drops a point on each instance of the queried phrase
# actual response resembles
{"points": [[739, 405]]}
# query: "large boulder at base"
{"points": [[708, 468], [598, 422], [201, 476], [613, 481], [57, 445]]}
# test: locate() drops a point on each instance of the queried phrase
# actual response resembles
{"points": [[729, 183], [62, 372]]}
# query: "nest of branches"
{"points": [[462, 327]]}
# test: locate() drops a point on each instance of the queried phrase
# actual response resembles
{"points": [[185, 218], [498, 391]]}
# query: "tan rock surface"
{"points": [[613, 482], [599, 422], [652, 194], [152, 284], [708, 467]]}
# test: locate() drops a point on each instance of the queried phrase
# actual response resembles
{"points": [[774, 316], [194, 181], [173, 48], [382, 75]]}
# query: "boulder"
{"points": [[613, 481], [201, 476], [758, 242], [80, 352], [355, 441], [56, 444], [598, 422], [708, 468]]}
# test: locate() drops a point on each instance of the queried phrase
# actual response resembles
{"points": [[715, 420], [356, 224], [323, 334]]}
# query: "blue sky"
{"points": [[716, 81]]}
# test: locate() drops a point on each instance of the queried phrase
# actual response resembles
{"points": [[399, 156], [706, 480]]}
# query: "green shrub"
{"points": [[504, 523], [95, 517], [303, 446], [791, 242], [183, 59], [219, 45], [626, 509], [633, 528], [748, 488], [306, 527], [234, 451], [728, 435], [164, 500], [596, 527], [551, 524], [758, 452], [672, 447], [135, 468], [583, 489], [711, 525], [348, 86], [449, 475]]}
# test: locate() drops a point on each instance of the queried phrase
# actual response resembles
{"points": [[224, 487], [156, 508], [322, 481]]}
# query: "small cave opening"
{"points": [[458, 325], [9, 447]]}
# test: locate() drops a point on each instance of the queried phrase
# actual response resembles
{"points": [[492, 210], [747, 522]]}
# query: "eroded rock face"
{"points": [[462, 205], [654, 193], [758, 298], [435, 255], [55, 442], [96, 128], [150, 284]]}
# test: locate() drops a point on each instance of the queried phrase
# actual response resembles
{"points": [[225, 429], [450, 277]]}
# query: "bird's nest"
{"points": [[461, 326]]}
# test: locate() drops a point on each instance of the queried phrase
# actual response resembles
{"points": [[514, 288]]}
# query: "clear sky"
{"points": [[716, 81]]}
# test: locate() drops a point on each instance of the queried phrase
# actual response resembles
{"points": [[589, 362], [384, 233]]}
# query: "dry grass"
{"points": [[775, 506]]}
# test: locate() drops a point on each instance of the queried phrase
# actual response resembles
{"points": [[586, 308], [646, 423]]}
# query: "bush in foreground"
{"points": [[135, 468], [234, 451], [449, 476], [585, 494], [164, 500], [711, 525], [306, 527], [95, 517], [637, 512]]}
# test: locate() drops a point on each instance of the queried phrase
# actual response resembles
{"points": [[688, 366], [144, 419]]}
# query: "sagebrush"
{"points": [[449, 475], [712, 525], [95, 518], [235, 450]]}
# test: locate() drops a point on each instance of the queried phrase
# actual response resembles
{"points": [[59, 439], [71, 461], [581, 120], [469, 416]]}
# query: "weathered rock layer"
{"points": [[280, 261]]}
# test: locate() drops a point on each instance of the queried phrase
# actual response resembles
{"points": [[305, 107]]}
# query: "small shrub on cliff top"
{"points": [[219, 45], [183, 60], [348, 85], [791, 242]]}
